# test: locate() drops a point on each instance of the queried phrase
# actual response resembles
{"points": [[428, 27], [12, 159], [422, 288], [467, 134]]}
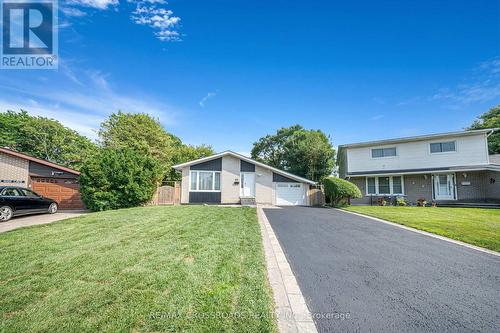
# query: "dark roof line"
{"points": [[419, 138], [37, 160]]}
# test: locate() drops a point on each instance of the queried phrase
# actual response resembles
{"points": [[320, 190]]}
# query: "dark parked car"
{"points": [[15, 201]]}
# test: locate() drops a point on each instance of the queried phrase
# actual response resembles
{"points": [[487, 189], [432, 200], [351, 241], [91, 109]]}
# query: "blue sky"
{"points": [[225, 73]]}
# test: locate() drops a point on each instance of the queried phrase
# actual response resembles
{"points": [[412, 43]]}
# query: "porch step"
{"points": [[469, 205], [248, 201]]}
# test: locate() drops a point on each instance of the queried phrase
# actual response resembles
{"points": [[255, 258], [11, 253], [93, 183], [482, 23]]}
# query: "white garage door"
{"points": [[290, 194]]}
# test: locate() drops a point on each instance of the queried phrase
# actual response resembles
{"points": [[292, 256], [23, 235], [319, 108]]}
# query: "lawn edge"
{"points": [[426, 233], [291, 309]]}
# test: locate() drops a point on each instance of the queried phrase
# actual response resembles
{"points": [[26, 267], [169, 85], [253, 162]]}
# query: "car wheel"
{"points": [[53, 208], [5, 213]]}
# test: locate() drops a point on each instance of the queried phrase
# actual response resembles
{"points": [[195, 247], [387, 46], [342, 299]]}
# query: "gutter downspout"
{"points": [[493, 130]]}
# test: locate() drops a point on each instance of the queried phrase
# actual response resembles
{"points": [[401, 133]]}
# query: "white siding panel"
{"points": [[470, 150]]}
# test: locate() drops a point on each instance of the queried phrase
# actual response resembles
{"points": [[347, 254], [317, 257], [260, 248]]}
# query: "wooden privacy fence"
{"points": [[168, 193], [316, 196]]}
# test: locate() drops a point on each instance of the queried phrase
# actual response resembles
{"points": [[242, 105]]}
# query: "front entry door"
{"points": [[247, 184], [444, 187]]}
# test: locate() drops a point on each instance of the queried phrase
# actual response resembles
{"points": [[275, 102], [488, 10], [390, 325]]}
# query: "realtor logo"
{"points": [[29, 34]]}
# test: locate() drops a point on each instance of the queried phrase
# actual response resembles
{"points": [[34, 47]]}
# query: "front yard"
{"points": [[476, 226], [151, 269]]}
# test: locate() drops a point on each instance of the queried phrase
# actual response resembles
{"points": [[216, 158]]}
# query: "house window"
{"points": [[443, 147], [204, 181], [383, 152], [384, 185], [371, 187]]}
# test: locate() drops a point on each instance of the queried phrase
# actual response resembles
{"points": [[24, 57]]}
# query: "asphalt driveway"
{"points": [[376, 277]]}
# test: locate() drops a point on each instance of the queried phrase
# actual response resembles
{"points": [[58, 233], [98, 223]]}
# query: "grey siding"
{"points": [[204, 197], [417, 187], [40, 170], [475, 186], [212, 165], [483, 186], [360, 182], [246, 166], [282, 179], [493, 185]]}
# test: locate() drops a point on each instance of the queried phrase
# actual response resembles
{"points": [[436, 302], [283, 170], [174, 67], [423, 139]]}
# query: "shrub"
{"points": [[338, 190], [119, 178], [400, 201]]}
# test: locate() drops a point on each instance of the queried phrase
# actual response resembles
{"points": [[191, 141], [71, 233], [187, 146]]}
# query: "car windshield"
{"points": [[29, 194]]}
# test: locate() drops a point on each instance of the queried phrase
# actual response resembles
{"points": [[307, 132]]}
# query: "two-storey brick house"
{"points": [[445, 168]]}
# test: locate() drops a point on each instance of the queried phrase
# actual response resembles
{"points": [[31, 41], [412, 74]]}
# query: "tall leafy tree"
{"points": [[185, 153], [271, 149], [44, 138], [307, 153], [144, 134], [490, 119]]}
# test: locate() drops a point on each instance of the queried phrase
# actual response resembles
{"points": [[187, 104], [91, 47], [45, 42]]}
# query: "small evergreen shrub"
{"points": [[338, 191]]}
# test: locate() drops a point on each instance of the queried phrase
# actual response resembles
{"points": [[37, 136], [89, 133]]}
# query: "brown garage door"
{"points": [[65, 191]]}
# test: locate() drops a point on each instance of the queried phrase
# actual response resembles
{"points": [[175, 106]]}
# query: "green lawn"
{"points": [[476, 226], [151, 269]]}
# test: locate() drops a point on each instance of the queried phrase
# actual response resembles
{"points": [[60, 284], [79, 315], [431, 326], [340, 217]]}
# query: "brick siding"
{"points": [[13, 168]]}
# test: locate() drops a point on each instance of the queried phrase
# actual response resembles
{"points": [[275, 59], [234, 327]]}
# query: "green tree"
{"points": [[306, 153], [44, 138], [119, 178], [271, 149], [338, 190], [490, 119], [141, 133], [185, 153]]}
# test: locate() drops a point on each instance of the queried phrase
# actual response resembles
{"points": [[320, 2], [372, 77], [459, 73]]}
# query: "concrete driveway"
{"points": [[28, 220], [377, 277]]}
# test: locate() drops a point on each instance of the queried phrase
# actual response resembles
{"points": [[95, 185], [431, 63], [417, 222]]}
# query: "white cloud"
{"points": [[482, 86], [150, 13], [161, 20], [98, 4], [81, 102], [73, 12], [206, 98]]}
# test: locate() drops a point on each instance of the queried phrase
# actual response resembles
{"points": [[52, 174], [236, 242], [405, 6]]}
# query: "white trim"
{"points": [[198, 180], [247, 159], [454, 194], [391, 185]]}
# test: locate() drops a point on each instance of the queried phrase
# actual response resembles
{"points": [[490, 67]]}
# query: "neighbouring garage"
{"points": [[45, 178]]}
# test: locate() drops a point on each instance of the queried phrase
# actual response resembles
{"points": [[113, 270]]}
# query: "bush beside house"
{"points": [[338, 191], [119, 178]]}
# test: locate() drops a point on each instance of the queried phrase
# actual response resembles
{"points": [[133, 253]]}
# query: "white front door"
{"points": [[444, 187], [247, 184]]}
